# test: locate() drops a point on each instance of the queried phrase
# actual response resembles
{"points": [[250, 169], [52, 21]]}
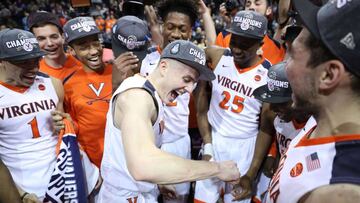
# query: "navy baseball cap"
{"points": [[80, 27], [18, 45], [277, 89], [336, 24], [249, 24], [191, 55], [130, 33]]}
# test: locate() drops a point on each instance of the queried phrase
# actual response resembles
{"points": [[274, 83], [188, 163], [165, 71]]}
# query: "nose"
{"points": [[176, 34], [94, 50], [49, 41], [251, 7], [236, 50], [190, 87]]}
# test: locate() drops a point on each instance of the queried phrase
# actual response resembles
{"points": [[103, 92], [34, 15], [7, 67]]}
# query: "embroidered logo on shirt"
{"points": [[312, 162], [296, 170]]}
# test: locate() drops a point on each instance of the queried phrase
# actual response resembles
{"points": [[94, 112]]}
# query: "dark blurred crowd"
{"points": [[14, 14]]}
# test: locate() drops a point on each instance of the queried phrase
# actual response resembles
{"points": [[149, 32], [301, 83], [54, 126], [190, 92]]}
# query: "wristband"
{"points": [[23, 195], [208, 149]]}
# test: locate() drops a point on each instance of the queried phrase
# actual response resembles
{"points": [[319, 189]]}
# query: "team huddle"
{"points": [[277, 117]]}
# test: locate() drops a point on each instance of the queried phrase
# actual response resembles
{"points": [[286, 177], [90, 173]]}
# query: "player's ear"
{"points": [[163, 66], [331, 76], [71, 50]]}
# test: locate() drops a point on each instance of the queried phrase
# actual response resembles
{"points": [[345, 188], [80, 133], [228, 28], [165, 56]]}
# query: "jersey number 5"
{"points": [[34, 128], [238, 103]]}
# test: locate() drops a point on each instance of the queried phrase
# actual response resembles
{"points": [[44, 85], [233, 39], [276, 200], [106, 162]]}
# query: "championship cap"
{"points": [[18, 45], [42, 17], [130, 34], [336, 24], [249, 24], [80, 27], [191, 55], [277, 89]]}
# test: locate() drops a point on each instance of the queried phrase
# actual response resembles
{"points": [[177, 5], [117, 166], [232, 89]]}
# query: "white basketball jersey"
{"points": [[285, 132], [234, 112], [311, 163], [27, 143], [113, 167], [176, 114]]}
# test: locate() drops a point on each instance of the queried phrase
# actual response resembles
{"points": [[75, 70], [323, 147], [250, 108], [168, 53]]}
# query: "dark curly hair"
{"points": [[187, 7]]}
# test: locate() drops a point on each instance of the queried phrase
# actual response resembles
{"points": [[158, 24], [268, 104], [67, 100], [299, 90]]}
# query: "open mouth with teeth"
{"points": [[28, 78], [95, 61], [174, 94], [51, 51]]}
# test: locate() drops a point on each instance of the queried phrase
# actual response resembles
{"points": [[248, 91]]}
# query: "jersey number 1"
{"points": [[34, 128]]}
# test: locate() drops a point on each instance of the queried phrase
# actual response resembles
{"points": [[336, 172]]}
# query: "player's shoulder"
{"points": [[152, 50], [333, 193]]}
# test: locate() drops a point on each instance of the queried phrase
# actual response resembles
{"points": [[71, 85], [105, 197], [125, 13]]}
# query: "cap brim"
{"points": [[25, 57], [263, 94], [243, 34], [80, 36], [308, 15], [204, 72], [121, 49]]}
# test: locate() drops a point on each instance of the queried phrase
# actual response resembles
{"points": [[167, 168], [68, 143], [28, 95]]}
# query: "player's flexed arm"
{"points": [[134, 113]]}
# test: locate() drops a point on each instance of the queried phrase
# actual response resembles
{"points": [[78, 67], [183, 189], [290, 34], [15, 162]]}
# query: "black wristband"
{"points": [[23, 196]]}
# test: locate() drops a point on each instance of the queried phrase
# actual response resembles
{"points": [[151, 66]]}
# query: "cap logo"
{"points": [[341, 3], [114, 29], [22, 43], [175, 49], [83, 25], [248, 21], [244, 26], [199, 56], [277, 84], [272, 74], [348, 41], [28, 47], [131, 42]]}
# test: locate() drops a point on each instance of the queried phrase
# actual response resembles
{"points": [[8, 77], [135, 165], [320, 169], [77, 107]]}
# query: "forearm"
{"points": [[164, 168], [8, 190], [263, 142], [209, 27], [116, 78], [156, 36], [202, 106]]}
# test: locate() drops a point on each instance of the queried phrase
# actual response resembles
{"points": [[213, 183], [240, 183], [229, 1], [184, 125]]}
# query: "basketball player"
{"points": [[132, 163], [179, 17], [288, 123], [323, 71], [272, 50], [29, 101], [230, 125]]}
